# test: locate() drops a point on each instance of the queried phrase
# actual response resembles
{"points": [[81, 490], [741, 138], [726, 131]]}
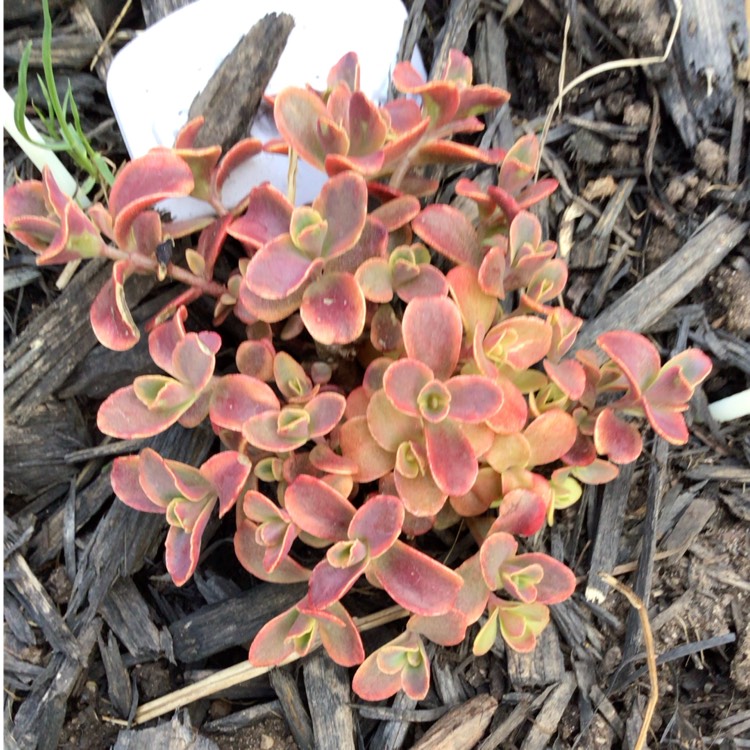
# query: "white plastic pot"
{"points": [[154, 79]]}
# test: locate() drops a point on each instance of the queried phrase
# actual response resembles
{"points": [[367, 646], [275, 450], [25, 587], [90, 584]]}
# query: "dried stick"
{"points": [[648, 640], [237, 674], [606, 67]]}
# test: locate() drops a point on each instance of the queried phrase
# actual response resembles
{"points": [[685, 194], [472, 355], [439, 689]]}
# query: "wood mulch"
{"points": [[654, 171]]}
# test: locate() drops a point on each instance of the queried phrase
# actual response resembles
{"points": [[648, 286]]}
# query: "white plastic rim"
{"points": [[731, 407], [153, 80]]}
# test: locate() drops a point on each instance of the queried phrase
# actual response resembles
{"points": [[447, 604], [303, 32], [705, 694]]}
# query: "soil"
{"points": [[690, 164]]}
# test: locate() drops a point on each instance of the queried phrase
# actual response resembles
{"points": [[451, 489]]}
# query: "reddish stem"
{"points": [[151, 265]]}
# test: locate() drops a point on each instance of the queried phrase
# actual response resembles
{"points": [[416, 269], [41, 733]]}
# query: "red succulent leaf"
{"points": [[346, 70], [193, 359], [694, 365], [368, 166], [332, 135], [267, 216], [474, 398], [378, 523], [635, 355], [496, 549], [521, 513], [403, 381], [397, 212], [110, 316], [340, 637], [201, 162], [228, 471], [557, 583], [358, 444], [519, 164], [400, 664], [271, 646], [536, 192], [325, 410], [521, 623], [421, 497], [291, 379], [237, 398], [565, 327], [476, 100], [429, 282], [144, 181], [183, 547], [163, 340], [252, 307], [124, 415], [374, 278], [423, 318], [333, 309], [668, 423], [318, 509], [486, 490], [508, 452], [27, 215], [325, 459], [450, 152], [388, 426], [416, 581], [451, 456], [237, 155], [372, 243], [367, 126], [297, 113], [253, 557], [127, 487], [342, 202], [568, 376], [328, 584], [670, 390], [596, 472], [519, 342], [255, 358], [616, 438], [278, 432], [279, 269], [550, 436], [477, 307], [449, 231]]}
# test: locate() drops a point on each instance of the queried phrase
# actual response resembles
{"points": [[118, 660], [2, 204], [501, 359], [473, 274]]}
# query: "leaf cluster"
{"points": [[470, 411]]}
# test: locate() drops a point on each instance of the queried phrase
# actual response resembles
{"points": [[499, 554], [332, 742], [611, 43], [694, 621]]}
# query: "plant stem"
{"points": [[142, 263]]}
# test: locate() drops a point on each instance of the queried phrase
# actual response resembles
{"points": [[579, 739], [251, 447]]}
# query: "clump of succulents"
{"points": [[470, 409]]}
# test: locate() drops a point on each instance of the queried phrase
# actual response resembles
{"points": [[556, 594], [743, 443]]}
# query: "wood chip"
{"points": [[462, 727], [543, 666], [500, 735], [176, 735], [244, 718], [297, 718], [39, 720], [689, 526], [651, 297], [231, 98], [329, 693], [391, 735], [608, 532], [547, 721], [125, 611], [119, 688], [592, 251], [39, 607]]}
